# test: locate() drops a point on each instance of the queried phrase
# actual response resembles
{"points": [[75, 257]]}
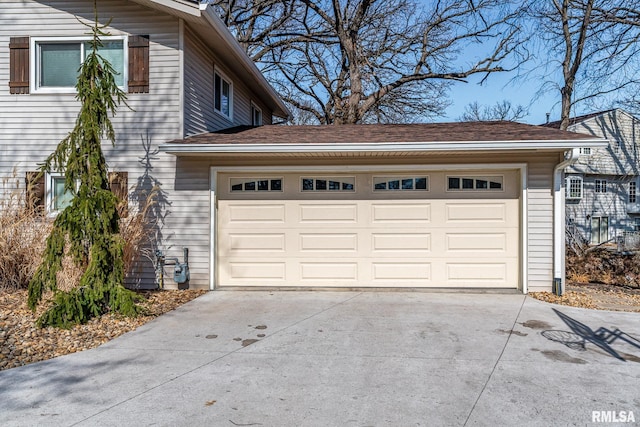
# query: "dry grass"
{"points": [[23, 234], [23, 231]]}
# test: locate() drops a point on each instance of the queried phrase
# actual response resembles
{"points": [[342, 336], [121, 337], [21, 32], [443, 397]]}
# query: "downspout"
{"points": [[559, 221]]}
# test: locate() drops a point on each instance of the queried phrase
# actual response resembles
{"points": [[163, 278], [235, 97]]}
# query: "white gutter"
{"points": [[187, 148], [559, 221]]}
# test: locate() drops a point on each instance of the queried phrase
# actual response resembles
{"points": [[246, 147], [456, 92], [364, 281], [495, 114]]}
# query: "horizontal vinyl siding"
{"points": [[32, 125], [200, 115], [540, 222]]}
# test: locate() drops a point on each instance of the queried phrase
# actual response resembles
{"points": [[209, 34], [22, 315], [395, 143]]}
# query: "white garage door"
{"points": [[436, 229]]}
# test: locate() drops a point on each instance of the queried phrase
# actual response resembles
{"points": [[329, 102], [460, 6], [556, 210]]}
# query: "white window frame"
{"points": [[568, 188], [585, 151], [254, 109], [600, 186], [223, 78], [35, 66], [49, 191], [632, 196]]}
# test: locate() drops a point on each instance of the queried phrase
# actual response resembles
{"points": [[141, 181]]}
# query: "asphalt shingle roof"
{"points": [[384, 133]]}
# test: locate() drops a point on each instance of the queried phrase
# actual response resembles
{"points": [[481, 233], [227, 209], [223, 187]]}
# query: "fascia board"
{"points": [[181, 148]]}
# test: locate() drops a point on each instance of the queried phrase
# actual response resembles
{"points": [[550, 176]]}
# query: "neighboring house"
{"points": [[602, 185], [455, 205]]}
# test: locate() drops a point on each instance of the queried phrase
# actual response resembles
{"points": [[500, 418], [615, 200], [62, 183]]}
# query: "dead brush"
{"points": [[23, 232]]}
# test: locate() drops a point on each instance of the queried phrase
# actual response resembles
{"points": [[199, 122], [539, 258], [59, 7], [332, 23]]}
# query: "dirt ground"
{"points": [[599, 296]]}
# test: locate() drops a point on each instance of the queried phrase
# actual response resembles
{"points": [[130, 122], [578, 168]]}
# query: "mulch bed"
{"points": [[21, 342]]}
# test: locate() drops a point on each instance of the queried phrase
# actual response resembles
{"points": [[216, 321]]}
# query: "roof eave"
{"points": [[561, 145]]}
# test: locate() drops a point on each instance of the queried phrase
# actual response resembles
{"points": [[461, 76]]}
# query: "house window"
{"points": [[256, 115], [255, 184], [223, 95], [399, 183], [601, 186], [599, 229], [636, 224], [616, 147], [585, 151], [57, 61], [573, 189], [474, 183], [57, 197], [632, 192], [328, 184]]}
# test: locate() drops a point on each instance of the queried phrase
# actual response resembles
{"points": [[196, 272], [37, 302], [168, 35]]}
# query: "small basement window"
{"points": [[57, 197]]}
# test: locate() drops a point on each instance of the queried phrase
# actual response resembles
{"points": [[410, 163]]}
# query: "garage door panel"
{"points": [[402, 242], [400, 271], [243, 213], [401, 213], [328, 213], [240, 243], [475, 274], [476, 242], [257, 271], [328, 242], [328, 270]]}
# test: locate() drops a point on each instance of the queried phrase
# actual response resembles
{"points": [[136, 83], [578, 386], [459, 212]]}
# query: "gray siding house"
{"points": [[602, 185], [184, 74], [442, 205]]}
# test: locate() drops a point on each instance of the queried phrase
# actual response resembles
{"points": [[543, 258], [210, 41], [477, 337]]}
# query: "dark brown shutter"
{"points": [[19, 65], [35, 189], [118, 182], [138, 64]]}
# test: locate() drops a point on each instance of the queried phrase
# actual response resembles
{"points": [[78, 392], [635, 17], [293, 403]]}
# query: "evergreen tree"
{"points": [[88, 229]]}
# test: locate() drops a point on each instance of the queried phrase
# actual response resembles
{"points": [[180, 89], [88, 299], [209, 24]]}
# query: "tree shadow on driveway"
{"points": [[581, 334]]}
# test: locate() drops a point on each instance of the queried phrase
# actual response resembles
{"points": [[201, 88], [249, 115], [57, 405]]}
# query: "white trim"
{"points": [[182, 74], [34, 63], [213, 215], [186, 148], [255, 106], [523, 276]]}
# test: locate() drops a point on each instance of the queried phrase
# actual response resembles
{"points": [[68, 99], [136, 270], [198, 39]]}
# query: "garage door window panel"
{"points": [[309, 184], [404, 183], [475, 183], [239, 185]]}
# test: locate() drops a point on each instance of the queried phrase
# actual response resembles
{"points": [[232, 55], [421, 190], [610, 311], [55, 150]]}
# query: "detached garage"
{"points": [[446, 205]]}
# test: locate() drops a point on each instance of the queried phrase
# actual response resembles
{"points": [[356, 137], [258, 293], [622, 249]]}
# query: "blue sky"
{"points": [[499, 88]]}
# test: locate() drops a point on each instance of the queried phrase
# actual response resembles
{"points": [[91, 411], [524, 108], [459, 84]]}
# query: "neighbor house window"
{"points": [[256, 115], [57, 197], [585, 150], [601, 186], [255, 184], [223, 95], [57, 61], [574, 187], [328, 184], [636, 224], [400, 183], [632, 192], [474, 183]]}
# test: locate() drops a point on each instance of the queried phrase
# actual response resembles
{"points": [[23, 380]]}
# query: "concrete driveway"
{"points": [[344, 359]]}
